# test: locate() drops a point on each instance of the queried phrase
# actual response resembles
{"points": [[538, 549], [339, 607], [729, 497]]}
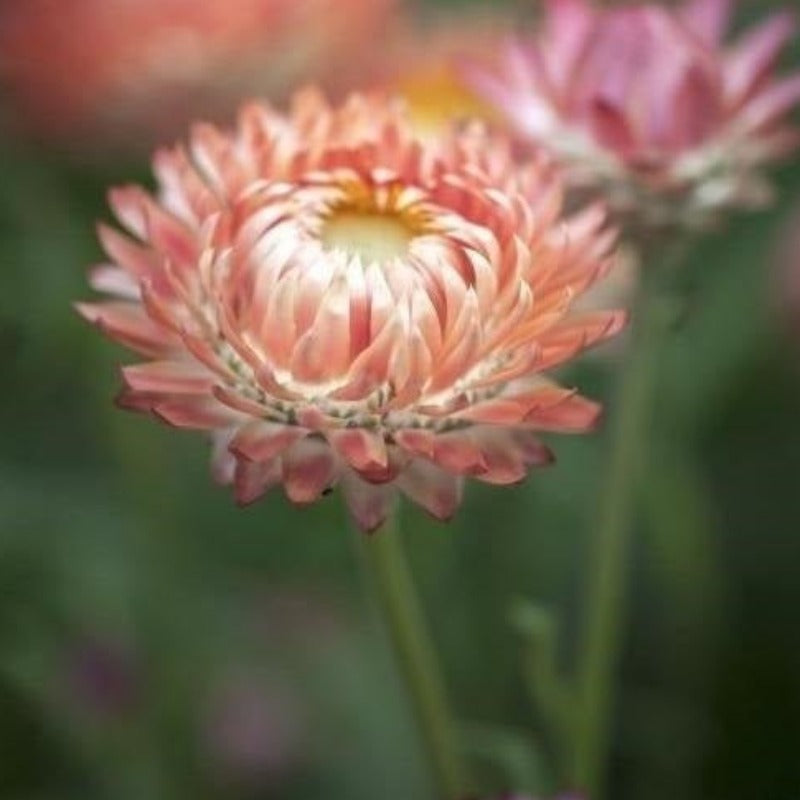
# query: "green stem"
{"points": [[415, 655], [605, 602]]}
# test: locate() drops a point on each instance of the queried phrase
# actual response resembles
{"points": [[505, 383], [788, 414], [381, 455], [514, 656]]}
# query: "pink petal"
{"points": [[223, 462], [498, 411], [263, 441], [370, 369], [161, 306], [238, 401], [364, 450], [170, 237], [755, 55], [574, 414], [253, 479], [128, 204], [419, 441], [196, 413], [461, 346], [323, 351], [510, 454], [369, 504], [707, 18], [578, 333], [115, 281], [457, 452], [128, 324], [279, 332], [437, 491], [414, 374], [534, 452], [168, 377], [567, 27], [696, 108], [141, 402], [309, 468], [137, 259], [500, 93], [611, 128], [767, 107], [183, 191]]}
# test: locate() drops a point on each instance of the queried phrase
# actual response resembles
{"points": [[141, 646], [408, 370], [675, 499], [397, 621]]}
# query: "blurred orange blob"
{"points": [[128, 72], [422, 65]]}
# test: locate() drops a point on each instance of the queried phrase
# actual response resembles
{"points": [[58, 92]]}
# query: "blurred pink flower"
{"points": [[129, 71], [420, 63], [253, 730], [647, 105], [339, 302], [102, 680]]}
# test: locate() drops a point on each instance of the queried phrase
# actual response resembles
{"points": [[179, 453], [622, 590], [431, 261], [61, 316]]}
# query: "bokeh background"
{"points": [[158, 642]]}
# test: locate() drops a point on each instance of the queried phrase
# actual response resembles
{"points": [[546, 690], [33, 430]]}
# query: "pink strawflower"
{"points": [[421, 63], [647, 104], [339, 302], [125, 72]]}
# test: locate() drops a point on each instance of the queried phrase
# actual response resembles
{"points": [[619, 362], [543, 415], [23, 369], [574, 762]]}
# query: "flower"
{"points": [[125, 72], [339, 302], [646, 105], [420, 63], [102, 679], [253, 729]]}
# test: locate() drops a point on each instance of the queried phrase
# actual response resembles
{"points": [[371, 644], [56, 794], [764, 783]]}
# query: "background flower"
{"points": [[421, 60], [646, 105], [253, 730], [341, 304], [132, 71]]}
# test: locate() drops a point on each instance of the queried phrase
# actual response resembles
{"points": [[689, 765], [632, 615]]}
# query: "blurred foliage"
{"points": [[133, 589]]}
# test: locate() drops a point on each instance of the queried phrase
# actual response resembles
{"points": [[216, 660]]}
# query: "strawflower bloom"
{"points": [[125, 72], [340, 302], [647, 105], [421, 64]]}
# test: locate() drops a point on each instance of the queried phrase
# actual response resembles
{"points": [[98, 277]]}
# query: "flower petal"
{"points": [[253, 479], [261, 441], [369, 504], [437, 491], [168, 377], [128, 324], [309, 469], [195, 412], [756, 54]]}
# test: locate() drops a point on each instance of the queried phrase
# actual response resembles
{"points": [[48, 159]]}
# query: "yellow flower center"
{"points": [[371, 235], [436, 100]]}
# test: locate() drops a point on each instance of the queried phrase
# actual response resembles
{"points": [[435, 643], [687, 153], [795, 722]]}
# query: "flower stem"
{"points": [[415, 655], [605, 601]]}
